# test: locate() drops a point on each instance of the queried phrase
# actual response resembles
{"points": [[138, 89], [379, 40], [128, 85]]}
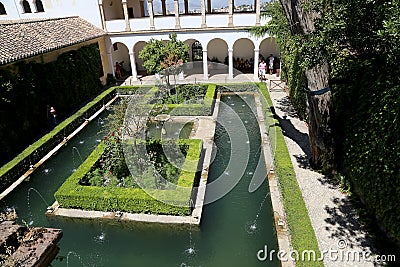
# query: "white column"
{"points": [[103, 19], [256, 55], [133, 66], [126, 16], [205, 65], [230, 67], [258, 12], [110, 63], [151, 13], [230, 23], [177, 20], [203, 14]]}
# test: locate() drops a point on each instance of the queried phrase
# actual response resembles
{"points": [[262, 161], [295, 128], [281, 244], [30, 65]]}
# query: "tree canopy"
{"points": [[158, 55]]}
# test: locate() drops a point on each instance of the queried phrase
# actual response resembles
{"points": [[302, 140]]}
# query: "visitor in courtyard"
{"points": [[53, 116], [271, 64], [118, 70], [262, 68], [246, 64]]}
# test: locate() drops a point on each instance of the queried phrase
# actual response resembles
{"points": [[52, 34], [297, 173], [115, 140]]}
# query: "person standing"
{"points": [[118, 70], [261, 69], [53, 116], [271, 63]]}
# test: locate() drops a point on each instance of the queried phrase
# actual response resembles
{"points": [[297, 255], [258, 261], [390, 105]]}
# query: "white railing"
{"points": [[217, 20], [116, 25], [186, 22], [140, 24], [244, 19], [162, 23], [190, 21]]}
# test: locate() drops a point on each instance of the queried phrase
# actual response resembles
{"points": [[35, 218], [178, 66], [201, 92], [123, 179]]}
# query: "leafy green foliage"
{"points": [[194, 100], [183, 93], [301, 230], [361, 41], [108, 198], [292, 49], [28, 91], [158, 55]]}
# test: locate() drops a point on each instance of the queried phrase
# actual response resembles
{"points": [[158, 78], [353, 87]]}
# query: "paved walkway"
{"points": [[332, 216], [214, 77]]}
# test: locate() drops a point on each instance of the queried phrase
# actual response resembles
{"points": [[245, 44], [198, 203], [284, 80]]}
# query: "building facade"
{"points": [[215, 30]]}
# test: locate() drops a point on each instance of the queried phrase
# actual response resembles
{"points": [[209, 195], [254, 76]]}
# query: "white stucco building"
{"points": [[215, 30]]}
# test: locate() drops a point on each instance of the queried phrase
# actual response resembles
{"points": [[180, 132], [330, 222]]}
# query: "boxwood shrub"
{"points": [[302, 233], [195, 109], [135, 200]]}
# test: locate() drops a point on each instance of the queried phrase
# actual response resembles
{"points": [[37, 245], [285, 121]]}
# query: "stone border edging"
{"points": [[283, 235]]}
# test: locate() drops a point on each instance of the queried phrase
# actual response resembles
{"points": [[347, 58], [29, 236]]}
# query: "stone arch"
{"points": [[26, 6], [195, 64], [39, 6], [113, 10], [120, 53], [2, 9], [243, 49], [139, 63], [195, 49], [269, 46], [217, 49]]}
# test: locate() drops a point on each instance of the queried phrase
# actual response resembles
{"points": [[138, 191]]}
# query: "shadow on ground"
{"points": [[343, 219]]}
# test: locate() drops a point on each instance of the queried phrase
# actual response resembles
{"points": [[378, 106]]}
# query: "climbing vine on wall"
{"points": [[361, 41]]}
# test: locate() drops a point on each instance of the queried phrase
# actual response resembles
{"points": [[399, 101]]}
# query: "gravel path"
{"points": [[333, 218]]}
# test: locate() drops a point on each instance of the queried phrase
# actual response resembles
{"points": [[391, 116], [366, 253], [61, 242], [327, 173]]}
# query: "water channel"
{"points": [[233, 228]]}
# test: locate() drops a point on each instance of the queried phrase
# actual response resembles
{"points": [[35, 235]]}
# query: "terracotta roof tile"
{"points": [[22, 39]]}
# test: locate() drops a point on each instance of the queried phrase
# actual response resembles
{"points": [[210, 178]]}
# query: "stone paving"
{"points": [[333, 218]]}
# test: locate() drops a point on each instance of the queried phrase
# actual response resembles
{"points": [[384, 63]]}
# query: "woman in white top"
{"points": [[262, 68]]}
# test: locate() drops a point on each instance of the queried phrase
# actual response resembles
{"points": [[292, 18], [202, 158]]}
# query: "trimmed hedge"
{"points": [[301, 230], [135, 200], [20, 164], [195, 109]]}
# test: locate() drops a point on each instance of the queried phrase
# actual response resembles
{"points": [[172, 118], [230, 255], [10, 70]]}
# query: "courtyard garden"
{"points": [[144, 164]]}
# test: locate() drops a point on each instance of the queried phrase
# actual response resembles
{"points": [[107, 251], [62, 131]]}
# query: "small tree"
{"points": [[158, 55]]}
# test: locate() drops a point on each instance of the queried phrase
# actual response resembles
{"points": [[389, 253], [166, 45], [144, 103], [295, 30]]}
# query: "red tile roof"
{"points": [[21, 39]]}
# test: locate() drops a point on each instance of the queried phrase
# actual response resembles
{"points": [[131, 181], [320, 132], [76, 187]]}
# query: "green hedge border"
{"points": [[196, 109], [301, 230], [20, 164], [134, 200]]}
